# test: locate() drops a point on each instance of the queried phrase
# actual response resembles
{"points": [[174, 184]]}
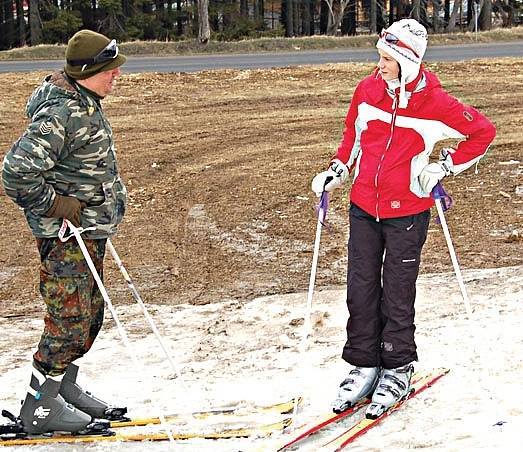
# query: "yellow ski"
{"points": [[259, 430], [281, 408]]}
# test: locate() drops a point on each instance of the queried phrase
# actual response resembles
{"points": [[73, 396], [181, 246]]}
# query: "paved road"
{"points": [[280, 59]]}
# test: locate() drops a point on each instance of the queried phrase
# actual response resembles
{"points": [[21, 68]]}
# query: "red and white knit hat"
{"points": [[406, 42]]}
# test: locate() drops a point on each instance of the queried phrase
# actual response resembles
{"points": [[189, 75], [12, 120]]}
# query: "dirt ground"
{"points": [[218, 165]]}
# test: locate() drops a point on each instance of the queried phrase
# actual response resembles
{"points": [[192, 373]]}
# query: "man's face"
{"points": [[103, 82], [388, 66]]}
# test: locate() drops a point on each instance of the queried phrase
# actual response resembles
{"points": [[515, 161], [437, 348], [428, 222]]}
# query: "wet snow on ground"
{"points": [[231, 353]]}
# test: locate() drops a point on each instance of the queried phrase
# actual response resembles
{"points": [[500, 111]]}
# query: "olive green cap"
{"points": [[85, 45]]}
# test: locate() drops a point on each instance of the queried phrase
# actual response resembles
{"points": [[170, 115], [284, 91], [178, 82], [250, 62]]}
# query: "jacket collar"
{"points": [[417, 98]]}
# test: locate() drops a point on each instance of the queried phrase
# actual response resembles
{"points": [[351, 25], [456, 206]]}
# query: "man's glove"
{"points": [[66, 207], [434, 172], [330, 179]]}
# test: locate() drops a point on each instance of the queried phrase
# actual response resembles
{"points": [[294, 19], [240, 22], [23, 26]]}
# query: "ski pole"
{"points": [[438, 193], [139, 300], [77, 234], [322, 213]]}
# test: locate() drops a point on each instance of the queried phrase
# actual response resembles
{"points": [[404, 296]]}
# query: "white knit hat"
{"points": [[406, 42]]}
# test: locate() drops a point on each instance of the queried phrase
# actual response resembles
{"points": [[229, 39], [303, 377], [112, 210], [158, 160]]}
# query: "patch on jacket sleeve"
{"points": [[45, 128], [468, 116], [395, 204]]}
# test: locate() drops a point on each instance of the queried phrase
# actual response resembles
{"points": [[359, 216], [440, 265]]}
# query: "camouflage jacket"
{"points": [[68, 150]]}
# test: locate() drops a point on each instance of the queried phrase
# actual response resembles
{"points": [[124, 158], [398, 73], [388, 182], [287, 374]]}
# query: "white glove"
{"points": [[434, 172], [330, 179]]}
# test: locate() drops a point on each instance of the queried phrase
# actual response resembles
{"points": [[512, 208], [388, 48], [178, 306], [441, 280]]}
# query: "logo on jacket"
{"points": [[395, 204], [468, 116]]}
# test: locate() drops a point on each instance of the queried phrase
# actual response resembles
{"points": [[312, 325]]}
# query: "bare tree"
{"points": [[485, 16], [436, 20], [456, 9], [20, 19], [504, 11], [416, 9], [287, 12], [35, 23], [373, 27], [204, 30], [336, 12], [483, 9]]}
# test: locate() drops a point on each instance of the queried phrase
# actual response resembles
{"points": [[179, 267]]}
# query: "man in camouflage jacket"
{"points": [[64, 166]]}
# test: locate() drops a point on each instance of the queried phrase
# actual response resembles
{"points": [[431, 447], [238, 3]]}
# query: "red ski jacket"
{"points": [[387, 147]]}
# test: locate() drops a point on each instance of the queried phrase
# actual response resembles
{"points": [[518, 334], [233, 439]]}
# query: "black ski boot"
{"points": [[45, 411], [85, 401]]}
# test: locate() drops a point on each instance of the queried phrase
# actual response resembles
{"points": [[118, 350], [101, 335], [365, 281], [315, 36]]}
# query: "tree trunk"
{"points": [[436, 21], [35, 23], [335, 16], [126, 8], [451, 26], [20, 19], [312, 10], [348, 24], [87, 13], [204, 31], [179, 21], [381, 23], [296, 17], [244, 8], [306, 17], [259, 9], [475, 8], [289, 18], [485, 17], [392, 3], [373, 29], [9, 35], [510, 12], [423, 13], [324, 17]]}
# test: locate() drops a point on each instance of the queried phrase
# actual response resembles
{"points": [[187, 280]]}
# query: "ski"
{"points": [[323, 421], [330, 418], [281, 408], [242, 432], [348, 436]]}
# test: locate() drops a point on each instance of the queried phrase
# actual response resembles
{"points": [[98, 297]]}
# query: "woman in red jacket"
{"points": [[396, 116]]}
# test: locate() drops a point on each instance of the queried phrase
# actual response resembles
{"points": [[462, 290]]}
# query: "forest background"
{"points": [[33, 22]]}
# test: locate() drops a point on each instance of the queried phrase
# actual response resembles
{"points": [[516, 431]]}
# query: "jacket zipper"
{"points": [[393, 122]]}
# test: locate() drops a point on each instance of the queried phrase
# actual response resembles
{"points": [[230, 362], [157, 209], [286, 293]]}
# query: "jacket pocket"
{"points": [[112, 209]]}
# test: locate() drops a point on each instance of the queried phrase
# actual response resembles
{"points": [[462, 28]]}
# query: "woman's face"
{"points": [[388, 66]]}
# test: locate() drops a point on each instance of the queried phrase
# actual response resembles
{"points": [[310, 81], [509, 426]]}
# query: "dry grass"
{"points": [[218, 166]]}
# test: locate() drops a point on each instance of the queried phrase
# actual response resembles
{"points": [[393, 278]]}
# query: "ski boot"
{"points": [[359, 384], [394, 386], [85, 401], [45, 411]]}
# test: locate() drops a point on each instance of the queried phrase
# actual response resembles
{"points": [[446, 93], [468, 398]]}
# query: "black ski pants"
{"points": [[384, 259]]}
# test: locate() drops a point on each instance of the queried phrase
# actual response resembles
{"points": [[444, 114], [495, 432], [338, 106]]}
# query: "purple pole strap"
{"points": [[438, 192], [322, 207]]}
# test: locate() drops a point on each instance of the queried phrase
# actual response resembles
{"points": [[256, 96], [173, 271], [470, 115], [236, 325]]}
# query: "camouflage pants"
{"points": [[75, 307]]}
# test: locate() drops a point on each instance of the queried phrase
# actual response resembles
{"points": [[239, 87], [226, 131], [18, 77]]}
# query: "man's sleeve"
{"points": [[479, 133], [35, 152]]}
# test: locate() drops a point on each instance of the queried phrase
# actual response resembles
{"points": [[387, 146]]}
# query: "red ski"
{"points": [[420, 381], [320, 423], [358, 429]]}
